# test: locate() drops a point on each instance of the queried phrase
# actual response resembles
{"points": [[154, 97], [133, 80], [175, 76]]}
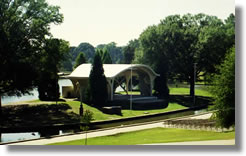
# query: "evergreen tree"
{"points": [[51, 59], [98, 82], [48, 87], [106, 58], [224, 91], [160, 85], [80, 60]]}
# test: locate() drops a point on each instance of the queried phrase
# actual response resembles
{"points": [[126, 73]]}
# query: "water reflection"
{"points": [[34, 93], [10, 137]]}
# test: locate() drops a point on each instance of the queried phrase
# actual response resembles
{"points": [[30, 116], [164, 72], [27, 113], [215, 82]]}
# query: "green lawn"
{"points": [[98, 115], [178, 91], [155, 135], [38, 112], [186, 91]]}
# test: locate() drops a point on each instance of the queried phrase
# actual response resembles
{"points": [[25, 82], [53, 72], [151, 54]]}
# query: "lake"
{"points": [[34, 93]]}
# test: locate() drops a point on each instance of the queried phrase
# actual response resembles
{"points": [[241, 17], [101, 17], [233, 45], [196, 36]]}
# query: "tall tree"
{"points": [[24, 26], [224, 91], [54, 52], [182, 41], [152, 53], [88, 50], [67, 62], [98, 82], [106, 58], [114, 51], [80, 60], [129, 51]]}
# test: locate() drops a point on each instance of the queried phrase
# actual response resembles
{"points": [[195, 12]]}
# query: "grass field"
{"points": [[38, 112], [98, 115], [178, 91], [155, 135], [186, 91]]}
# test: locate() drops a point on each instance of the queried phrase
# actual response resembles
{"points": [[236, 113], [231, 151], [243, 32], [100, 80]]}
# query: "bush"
{"points": [[224, 91]]}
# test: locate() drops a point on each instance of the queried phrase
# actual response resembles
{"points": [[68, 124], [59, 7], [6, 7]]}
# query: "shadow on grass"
{"points": [[59, 100], [37, 115], [187, 101]]}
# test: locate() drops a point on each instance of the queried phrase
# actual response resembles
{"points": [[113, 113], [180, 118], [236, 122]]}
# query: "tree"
{"points": [[67, 63], [180, 41], [54, 52], [160, 85], [224, 91], [98, 82], [129, 51], [86, 120], [152, 53], [106, 58], [114, 51], [80, 60], [88, 50], [24, 25]]}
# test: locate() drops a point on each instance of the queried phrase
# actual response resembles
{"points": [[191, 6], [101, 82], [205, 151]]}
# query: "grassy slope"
{"points": [[67, 112], [155, 135], [98, 115]]}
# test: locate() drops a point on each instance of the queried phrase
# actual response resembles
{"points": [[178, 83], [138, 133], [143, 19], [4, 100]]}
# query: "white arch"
{"points": [[111, 71]]}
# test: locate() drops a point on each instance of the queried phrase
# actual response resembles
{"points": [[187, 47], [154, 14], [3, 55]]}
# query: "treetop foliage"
{"points": [[86, 48], [81, 58], [178, 42], [114, 51], [24, 28]]}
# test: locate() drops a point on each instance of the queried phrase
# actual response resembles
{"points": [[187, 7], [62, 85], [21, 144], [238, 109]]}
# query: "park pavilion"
{"points": [[117, 75]]}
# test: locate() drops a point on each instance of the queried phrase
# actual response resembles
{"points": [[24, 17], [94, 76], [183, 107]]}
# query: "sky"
{"points": [[105, 21]]}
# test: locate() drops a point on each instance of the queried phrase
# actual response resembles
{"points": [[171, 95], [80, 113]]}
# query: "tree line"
{"points": [[178, 42], [30, 57], [113, 52]]}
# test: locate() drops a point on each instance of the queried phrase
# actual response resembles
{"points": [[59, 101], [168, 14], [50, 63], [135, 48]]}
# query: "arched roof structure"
{"points": [[81, 76], [110, 70]]}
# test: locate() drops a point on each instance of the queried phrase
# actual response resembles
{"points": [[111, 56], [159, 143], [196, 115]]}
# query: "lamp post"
{"points": [[131, 90], [56, 89], [194, 97], [81, 104]]}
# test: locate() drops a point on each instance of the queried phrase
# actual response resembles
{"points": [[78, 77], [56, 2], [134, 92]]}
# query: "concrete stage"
{"points": [[139, 102]]}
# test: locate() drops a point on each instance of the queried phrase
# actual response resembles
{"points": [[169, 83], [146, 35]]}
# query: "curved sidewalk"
{"points": [[112, 131], [97, 133]]}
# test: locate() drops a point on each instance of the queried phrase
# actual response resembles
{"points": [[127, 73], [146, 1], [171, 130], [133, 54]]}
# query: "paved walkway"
{"points": [[89, 135], [117, 130]]}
